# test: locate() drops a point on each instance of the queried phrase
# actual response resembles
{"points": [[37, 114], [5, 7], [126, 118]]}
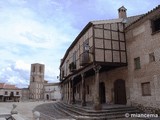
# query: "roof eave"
{"points": [[75, 41]]}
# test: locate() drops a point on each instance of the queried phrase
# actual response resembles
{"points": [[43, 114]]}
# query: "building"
{"points": [[25, 94], [40, 89], [115, 62], [9, 93], [36, 87], [52, 91]]}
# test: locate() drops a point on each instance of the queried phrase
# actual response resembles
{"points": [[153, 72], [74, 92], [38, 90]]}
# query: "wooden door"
{"points": [[119, 92]]}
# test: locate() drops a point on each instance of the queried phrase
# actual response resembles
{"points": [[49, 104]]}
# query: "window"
{"points": [[86, 46], [62, 73], [156, 25], [137, 64], [17, 93], [6, 93], [146, 89], [40, 69], [34, 69], [33, 79], [74, 57], [151, 57], [72, 65]]}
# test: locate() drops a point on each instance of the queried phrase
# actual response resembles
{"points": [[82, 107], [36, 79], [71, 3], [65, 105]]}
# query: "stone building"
{"points": [[52, 91], [36, 87], [40, 89], [9, 93], [115, 62], [25, 94]]}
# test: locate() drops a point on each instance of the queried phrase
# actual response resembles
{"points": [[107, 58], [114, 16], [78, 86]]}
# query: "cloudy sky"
{"points": [[40, 31]]}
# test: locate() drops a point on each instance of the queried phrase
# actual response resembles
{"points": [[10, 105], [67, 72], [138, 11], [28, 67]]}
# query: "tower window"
{"points": [[40, 69], [33, 79], [34, 69]]}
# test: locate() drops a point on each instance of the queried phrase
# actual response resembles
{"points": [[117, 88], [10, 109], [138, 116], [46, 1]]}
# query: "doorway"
{"points": [[47, 96], [102, 92], [119, 92]]}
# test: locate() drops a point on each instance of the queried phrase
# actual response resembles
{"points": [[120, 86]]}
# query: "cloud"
{"points": [[21, 65], [40, 31]]}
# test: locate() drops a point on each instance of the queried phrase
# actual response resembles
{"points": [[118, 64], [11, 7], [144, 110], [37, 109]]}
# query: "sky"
{"points": [[40, 31]]}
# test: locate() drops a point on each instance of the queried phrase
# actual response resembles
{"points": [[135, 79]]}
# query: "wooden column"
{"points": [[69, 100], [97, 104], [83, 90], [67, 92], [73, 98]]}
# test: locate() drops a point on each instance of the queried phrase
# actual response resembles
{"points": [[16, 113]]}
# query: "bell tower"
{"points": [[37, 73], [36, 81]]}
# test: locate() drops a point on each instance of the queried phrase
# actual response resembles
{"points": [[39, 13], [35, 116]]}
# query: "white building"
{"points": [[52, 91], [9, 93]]}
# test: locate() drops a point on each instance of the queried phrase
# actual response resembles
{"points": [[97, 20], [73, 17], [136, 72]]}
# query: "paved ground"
{"points": [[49, 112], [23, 108]]}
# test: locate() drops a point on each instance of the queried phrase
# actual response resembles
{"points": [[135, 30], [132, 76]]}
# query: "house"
{"points": [[9, 93], [115, 62]]}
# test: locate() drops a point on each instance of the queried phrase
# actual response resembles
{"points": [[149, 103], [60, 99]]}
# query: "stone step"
{"points": [[119, 113], [115, 109], [79, 113]]}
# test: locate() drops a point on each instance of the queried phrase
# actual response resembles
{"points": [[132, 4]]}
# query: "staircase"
{"points": [[107, 113]]}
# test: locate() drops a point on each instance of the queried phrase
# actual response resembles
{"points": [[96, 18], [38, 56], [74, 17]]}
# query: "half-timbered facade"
{"points": [[96, 68]]}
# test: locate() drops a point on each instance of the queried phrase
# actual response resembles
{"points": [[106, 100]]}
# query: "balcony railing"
{"points": [[84, 58], [72, 66]]}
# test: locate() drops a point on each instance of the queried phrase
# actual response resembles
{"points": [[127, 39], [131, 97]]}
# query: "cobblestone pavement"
{"points": [[48, 112]]}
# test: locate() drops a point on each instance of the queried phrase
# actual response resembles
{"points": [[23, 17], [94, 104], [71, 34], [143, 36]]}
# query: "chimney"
{"points": [[122, 12]]}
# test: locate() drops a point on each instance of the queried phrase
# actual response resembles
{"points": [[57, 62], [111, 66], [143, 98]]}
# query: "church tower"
{"points": [[36, 81]]}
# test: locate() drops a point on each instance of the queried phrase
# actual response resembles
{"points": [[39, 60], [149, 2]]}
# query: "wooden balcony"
{"points": [[84, 58], [72, 66]]}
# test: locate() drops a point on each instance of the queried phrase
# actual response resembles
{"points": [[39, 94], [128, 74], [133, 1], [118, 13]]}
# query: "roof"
{"points": [[122, 8], [129, 21], [94, 23], [107, 21], [37, 64], [8, 86], [144, 15]]}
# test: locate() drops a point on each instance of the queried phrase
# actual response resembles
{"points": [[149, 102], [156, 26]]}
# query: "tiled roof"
{"points": [[107, 21], [7, 86], [144, 15], [1, 85]]}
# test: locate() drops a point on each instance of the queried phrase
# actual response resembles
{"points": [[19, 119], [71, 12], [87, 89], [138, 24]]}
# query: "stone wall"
{"points": [[140, 43]]}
